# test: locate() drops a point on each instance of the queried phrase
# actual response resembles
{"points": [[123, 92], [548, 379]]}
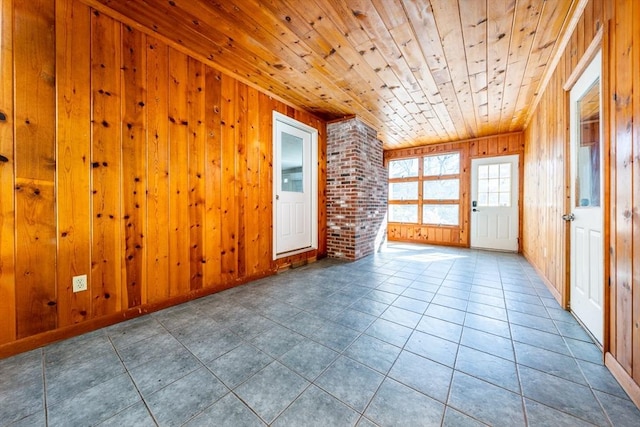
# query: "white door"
{"points": [[494, 203], [295, 186], [586, 252]]}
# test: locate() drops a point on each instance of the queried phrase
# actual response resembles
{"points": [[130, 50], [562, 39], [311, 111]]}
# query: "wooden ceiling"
{"points": [[419, 71]]}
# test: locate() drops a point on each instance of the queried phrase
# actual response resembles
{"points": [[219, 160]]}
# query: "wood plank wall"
{"points": [[547, 169], [128, 160], [500, 145]]}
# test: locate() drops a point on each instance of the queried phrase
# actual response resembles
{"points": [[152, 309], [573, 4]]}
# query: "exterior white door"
{"points": [[295, 186], [494, 203], [586, 252]]}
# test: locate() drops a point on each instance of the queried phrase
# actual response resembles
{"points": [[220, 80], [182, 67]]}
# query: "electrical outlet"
{"points": [[80, 283]]}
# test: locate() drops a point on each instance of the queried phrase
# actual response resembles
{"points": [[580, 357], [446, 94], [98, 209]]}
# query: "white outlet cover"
{"points": [[80, 283]]}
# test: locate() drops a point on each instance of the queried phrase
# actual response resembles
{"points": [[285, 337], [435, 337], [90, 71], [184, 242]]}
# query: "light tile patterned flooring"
{"points": [[413, 336]]}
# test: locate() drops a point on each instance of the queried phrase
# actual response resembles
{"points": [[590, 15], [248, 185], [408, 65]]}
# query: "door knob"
{"points": [[476, 210], [277, 197], [569, 217]]}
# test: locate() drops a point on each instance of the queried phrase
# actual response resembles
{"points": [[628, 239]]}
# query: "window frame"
{"points": [[421, 179]]}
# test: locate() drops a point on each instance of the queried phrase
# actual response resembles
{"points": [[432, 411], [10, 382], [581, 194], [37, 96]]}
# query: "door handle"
{"points": [[568, 217], [277, 197], [476, 210]]}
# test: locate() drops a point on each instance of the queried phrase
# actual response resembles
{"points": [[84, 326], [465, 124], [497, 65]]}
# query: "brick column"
{"points": [[356, 190]]}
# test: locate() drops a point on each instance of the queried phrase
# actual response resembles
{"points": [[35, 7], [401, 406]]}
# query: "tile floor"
{"points": [[413, 336]]}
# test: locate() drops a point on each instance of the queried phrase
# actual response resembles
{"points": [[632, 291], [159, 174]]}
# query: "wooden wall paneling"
{"points": [[35, 115], [157, 108], [228, 186], [241, 177], [134, 166], [106, 152], [73, 70], [462, 236], [213, 181], [635, 72], [7, 175], [611, 70], [605, 118], [179, 233], [254, 180], [266, 107], [322, 188], [623, 171], [196, 118]]}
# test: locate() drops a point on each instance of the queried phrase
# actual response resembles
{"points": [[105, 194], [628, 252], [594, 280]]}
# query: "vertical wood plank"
{"points": [[322, 187], [106, 253], [73, 64], [635, 197], [7, 176], [241, 177], [213, 173], [157, 253], [266, 106], [35, 106], [624, 181], [178, 174], [252, 201], [134, 166], [196, 87], [229, 217]]}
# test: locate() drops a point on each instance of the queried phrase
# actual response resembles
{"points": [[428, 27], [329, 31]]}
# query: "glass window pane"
{"points": [[403, 213], [444, 164], [587, 186], [494, 185], [403, 190], [441, 214], [442, 189], [505, 170], [505, 184], [404, 168], [291, 161]]}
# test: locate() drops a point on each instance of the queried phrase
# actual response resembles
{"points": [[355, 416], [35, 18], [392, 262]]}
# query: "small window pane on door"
{"points": [[494, 185], [587, 186], [403, 213], [292, 160]]}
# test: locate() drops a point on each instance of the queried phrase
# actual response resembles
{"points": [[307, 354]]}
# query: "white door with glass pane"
{"points": [[494, 203], [586, 252], [294, 187]]}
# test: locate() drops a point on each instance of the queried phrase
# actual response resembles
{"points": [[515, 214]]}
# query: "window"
{"points": [[494, 185], [425, 190]]}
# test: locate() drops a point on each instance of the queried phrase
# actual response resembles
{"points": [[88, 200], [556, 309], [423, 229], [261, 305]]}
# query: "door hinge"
{"points": [[609, 281]]}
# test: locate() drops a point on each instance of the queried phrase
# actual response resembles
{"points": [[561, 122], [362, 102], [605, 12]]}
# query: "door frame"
{"points": [[600, 43], [282, 118]]}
